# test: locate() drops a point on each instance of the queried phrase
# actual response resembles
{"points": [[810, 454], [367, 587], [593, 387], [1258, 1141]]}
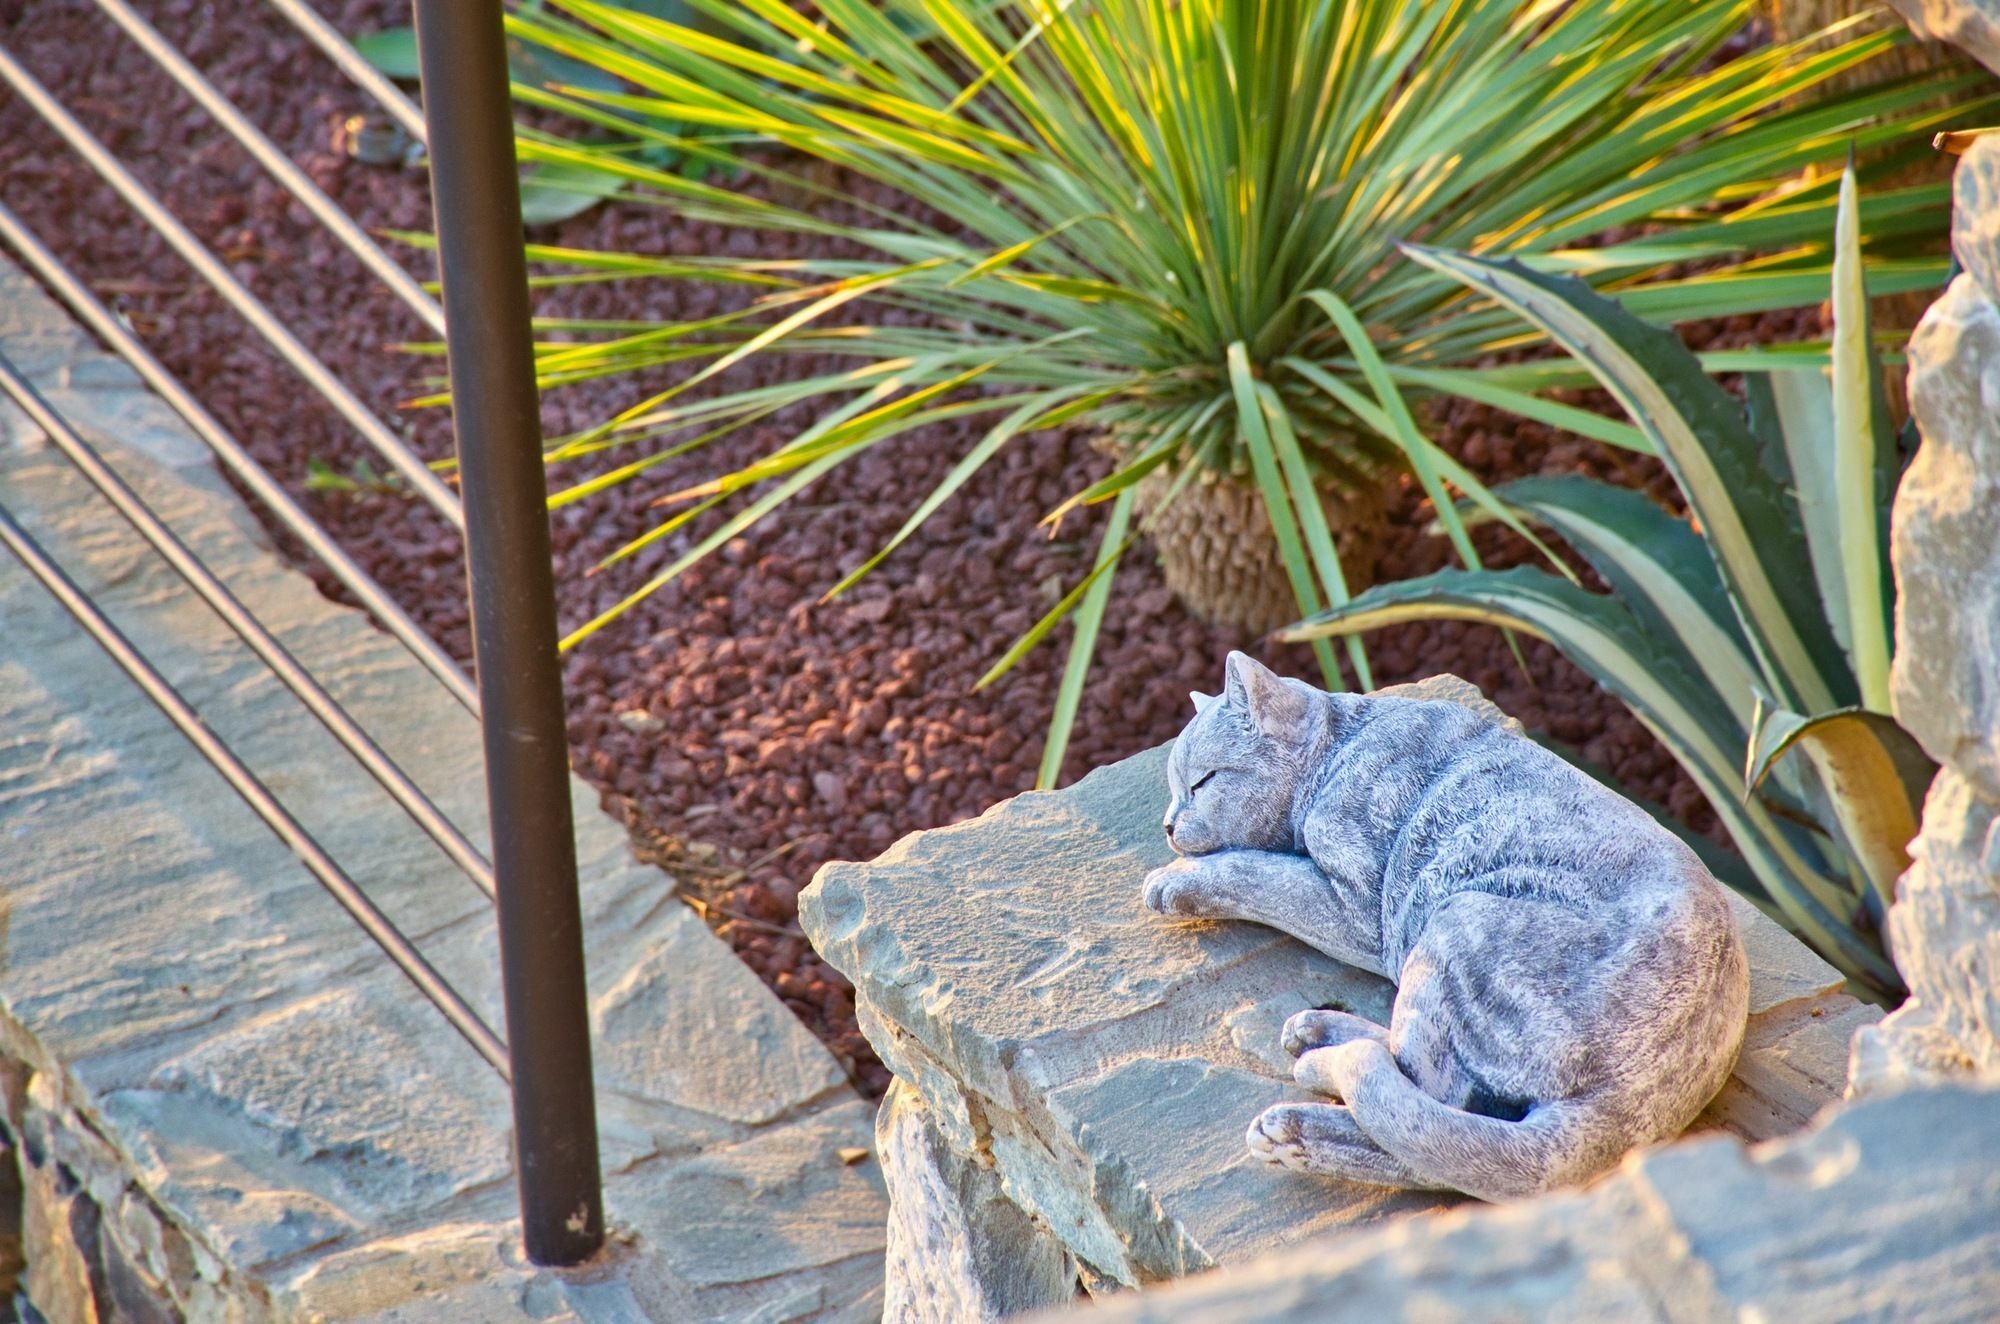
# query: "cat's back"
{"points": [[1451, 797]]}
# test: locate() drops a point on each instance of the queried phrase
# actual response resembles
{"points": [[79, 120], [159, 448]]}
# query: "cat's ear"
{"points": [[1261, 694], [1201, 701]]}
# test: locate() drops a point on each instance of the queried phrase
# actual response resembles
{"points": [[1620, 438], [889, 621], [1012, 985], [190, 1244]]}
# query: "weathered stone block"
{"points": [[960, 1251], [1016, 967], [1946, 929], [1975, 214], [1889, 1211], [225, 1086], [1946, 540]]}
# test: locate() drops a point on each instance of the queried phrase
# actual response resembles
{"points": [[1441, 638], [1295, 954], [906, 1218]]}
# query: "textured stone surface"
{"points": [[1946, 930], [1945, 925], [1946, 540], [1888, 1211], [1973, 25], [1975, 214], [1109, 1062], [959, 1250], [218, 1068]]}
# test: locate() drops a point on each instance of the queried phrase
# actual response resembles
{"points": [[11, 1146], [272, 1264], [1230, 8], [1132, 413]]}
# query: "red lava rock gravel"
{"points": [[745, 734]]}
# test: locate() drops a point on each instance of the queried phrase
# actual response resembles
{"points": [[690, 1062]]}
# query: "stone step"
{"points": [[223, 1095]]}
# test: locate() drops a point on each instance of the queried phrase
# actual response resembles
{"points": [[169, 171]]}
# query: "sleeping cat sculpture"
{"points": [[1570, 983]]}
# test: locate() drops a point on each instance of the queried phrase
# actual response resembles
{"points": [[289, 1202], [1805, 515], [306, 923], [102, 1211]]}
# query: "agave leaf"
{"points": [[1864, 451], [1701, 435], [554, 191], [393, 51], [1874, 775], [1656, 565], [1792, 409], [1603, 638]]}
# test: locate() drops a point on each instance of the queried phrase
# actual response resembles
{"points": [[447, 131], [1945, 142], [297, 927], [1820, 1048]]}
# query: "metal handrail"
{"points": [[258, 796], [280, 166], [496, 417], [349, 61], [392, 448], [505, 520], [62, 282], [261, 641]]}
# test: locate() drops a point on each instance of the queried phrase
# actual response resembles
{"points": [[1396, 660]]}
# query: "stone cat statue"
{"points": [[1570, 983]]}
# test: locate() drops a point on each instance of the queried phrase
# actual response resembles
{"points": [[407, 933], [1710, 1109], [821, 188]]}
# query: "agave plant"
{"points": [[1757, 630], [1171, 221]]}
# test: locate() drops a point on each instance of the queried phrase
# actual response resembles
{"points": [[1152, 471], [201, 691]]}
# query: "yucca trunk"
{"points": [[1221, 559], [1793, 20]]}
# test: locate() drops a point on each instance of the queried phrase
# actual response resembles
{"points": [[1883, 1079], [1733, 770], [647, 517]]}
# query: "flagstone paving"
{"points": [[223, 1094]]}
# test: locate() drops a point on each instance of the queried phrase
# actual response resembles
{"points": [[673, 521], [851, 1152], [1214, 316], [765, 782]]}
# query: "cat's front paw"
{"points": [[1178, 889]]}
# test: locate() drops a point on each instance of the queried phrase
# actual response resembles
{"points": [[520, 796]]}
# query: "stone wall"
{"points": [[1945, 925], [97, 1246]]}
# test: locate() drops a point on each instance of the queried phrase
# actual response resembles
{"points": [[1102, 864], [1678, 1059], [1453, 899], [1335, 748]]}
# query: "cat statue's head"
{"points": [[1237, 766]]}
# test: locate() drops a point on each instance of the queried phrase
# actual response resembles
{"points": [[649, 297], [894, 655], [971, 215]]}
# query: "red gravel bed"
{"points": [[744, 733]]}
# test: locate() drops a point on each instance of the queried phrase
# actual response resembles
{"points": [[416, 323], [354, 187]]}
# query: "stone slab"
{"points": [[196, 1024], [960, 1251], [1110, 1061], [1889, 1210]]}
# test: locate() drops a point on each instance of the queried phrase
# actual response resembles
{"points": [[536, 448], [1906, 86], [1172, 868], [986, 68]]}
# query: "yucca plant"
{"points": [[1172, 221], [1755, 630]]}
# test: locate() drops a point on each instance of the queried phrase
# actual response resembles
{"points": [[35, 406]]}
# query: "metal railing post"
{"points": [[475, 194]]}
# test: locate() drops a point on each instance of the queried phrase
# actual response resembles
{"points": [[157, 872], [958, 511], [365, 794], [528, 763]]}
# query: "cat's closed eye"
{"points": [[1203, 780]]}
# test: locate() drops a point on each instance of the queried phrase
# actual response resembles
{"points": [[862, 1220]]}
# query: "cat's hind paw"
{"points": [[1278, 1136], [1314, 1028], [1323, 1139]]}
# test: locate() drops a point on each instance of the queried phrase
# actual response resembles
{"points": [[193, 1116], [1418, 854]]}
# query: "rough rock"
{"points": [[1890, 1210], [1945, 927], [1106, 1062], [1945, 534], [1972, 25], [1975, 214], [959, 1250]]}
